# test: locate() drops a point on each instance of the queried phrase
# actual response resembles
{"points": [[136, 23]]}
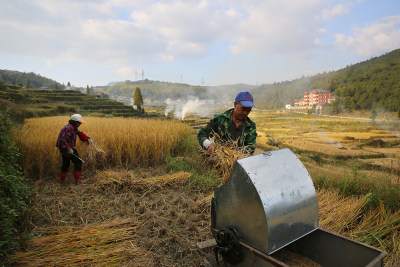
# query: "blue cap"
{"points": [[246, 99]]}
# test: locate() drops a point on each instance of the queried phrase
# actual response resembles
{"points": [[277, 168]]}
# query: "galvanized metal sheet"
{"points": [[270, 200]]}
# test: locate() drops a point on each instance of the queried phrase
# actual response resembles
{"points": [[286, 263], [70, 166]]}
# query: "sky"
{"points": [[205, 42]]}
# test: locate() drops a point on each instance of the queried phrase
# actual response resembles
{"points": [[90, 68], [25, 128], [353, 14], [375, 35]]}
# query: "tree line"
{"points": [[28, 80]]}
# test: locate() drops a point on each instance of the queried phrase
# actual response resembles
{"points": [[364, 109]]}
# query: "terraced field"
{"points": [[38, 103]]}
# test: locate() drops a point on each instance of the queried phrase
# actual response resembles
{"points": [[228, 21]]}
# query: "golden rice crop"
{"points": [[119, 142]]}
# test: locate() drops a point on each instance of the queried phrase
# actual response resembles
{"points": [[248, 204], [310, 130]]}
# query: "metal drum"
{"points": [[269, 200]]}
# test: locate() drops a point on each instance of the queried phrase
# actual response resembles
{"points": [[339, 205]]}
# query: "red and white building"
{"points": [[316, 97]]}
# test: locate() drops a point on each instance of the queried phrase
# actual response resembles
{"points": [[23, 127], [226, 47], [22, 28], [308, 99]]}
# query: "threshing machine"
{"points": [[270, 204]]}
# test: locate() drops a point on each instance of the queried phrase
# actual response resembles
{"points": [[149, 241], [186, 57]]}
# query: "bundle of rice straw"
{"points": [[224, 158], [94, 149], [94, 154], [104, 244], [337, 213], [109, 177]]}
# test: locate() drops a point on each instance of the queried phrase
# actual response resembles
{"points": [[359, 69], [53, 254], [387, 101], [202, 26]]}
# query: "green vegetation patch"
{"points": [[14, 194], [204, 175]]}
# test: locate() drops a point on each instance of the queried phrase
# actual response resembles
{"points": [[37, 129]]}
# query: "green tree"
{"points": [[69, 84], [138, 99], [335, 108], [87, 90]]}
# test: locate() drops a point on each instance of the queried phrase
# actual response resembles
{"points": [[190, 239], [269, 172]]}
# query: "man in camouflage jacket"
{"points": [[232, 125]]}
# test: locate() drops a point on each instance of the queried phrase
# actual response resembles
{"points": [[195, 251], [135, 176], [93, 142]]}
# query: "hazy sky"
{"points": [[210, 42]]}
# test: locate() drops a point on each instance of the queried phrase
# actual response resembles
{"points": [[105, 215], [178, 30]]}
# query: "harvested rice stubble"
{"points": [[165, 221]]}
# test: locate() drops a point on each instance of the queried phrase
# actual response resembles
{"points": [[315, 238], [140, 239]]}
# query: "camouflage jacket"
{"points": [[219, 126]]}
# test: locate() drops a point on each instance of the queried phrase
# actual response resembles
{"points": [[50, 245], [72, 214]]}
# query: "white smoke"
{"points": [[203, 102], [324, 136], [170, 106], [332, 142], [181, 108]]}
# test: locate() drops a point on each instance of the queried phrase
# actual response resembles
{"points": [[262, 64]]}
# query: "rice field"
{"points": [[329, 136], [135, 211]]}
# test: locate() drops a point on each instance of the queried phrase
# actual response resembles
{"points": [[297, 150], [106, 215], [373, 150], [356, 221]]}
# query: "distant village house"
{"points": [[312, 98], [316, 97]]}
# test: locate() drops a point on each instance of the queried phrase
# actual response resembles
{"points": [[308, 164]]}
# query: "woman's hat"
{"points": [[78, 118]]}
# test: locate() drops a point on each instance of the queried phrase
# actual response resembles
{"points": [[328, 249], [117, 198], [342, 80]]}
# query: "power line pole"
{"points": [[142, 74], [135, 75]]}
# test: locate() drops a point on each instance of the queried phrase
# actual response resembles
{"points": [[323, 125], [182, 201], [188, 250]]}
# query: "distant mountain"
{"points": [[113, 83], [28, 80], [371, 84], [155, 90], [159, 91]]}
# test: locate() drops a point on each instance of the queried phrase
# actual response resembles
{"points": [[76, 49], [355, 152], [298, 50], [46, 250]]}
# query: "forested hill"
{"points": [[159, 91], [28, 80], [153, 89], [374, 83]]}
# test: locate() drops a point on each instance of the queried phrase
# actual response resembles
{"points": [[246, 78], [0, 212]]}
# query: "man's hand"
{"points": [[70, 152], [90, 141], [211, 148]]}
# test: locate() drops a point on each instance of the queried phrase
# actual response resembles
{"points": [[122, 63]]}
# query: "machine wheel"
{"points": [[228, 246]]}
